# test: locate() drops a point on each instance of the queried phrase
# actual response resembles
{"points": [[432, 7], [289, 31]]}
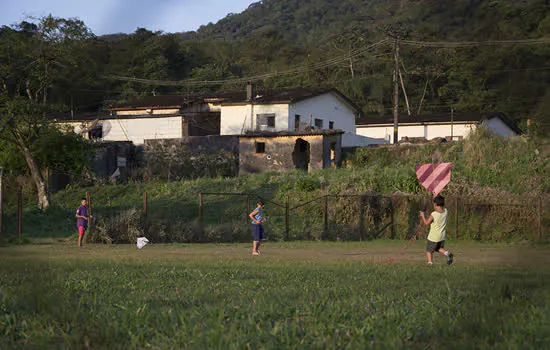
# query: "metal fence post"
{"points": [[325, 215], [201, 222], [19, 211]]}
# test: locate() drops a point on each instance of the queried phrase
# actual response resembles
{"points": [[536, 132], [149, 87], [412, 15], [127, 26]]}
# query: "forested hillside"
{"points": [[307, 43]]}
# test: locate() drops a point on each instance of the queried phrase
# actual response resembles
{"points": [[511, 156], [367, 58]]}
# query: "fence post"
{"points": [[1, 202], [539, 205], [145, 212], [325, 215], [247, 207], [456, 217], [287, 218], [89, 205], [201, 223], [19, 211]]}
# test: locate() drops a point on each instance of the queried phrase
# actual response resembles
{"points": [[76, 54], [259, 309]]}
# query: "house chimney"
{"points": [[250, 91]]}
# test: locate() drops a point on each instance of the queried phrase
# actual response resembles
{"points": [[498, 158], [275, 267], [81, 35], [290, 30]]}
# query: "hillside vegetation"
{"points": [[326, 41]]}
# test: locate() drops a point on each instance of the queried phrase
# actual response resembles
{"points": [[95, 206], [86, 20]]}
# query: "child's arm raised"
{"points": [[424, 220]]}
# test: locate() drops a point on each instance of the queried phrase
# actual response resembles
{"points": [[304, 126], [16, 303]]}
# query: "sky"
{"points": [[124, 16]]}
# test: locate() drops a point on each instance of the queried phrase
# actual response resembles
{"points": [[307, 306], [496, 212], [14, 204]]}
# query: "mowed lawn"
{"points": [[297, 295]]}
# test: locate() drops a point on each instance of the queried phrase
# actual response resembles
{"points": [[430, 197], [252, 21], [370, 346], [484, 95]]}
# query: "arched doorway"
{"points": [[301, 155]]}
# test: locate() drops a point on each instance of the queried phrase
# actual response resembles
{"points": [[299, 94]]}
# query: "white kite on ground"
{"points": [[142, 242]]}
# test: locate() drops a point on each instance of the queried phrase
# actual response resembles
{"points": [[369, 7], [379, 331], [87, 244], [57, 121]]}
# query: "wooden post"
{"points": [[539, 205], [19, 211], [201, 222], [396, 92], [89, 209], [287, 219], [325, 214], [1, 202], [145, 212], [247, 207], [456, 217]]}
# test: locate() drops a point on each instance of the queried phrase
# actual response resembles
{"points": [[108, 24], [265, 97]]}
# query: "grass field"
{"points": [[316, 295]]}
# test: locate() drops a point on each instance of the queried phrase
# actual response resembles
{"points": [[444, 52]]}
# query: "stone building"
{"points": [[283, 151]]}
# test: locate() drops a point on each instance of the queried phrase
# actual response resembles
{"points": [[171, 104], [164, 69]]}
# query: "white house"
{"points": [[434, 126], [150, 118], [292, 111]]}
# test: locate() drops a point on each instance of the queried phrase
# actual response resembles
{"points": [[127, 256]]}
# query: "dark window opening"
{"points": [[260, 147], [96, 133], [331, 125], [318, 123], [265, 121], [297, 122], [333, 151]]}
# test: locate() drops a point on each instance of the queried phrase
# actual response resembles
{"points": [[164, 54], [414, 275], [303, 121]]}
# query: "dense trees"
{"points": [[57, 65]]}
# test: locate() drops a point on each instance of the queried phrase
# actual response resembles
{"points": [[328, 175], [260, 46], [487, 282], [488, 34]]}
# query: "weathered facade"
{"points": [[289, 151]]}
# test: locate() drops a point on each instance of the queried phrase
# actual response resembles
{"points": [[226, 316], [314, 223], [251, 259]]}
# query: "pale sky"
{"points": [[124, 16]]}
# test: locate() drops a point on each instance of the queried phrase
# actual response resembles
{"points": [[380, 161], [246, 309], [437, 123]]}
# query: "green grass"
{"points": [[314, 295]]}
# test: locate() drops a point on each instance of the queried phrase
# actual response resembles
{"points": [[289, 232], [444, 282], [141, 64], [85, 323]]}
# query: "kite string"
{"points": [[404, 249]]}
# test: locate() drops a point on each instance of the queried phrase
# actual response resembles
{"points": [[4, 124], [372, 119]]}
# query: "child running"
{"points": [[257, 228], [82, 220], [438, 224]]}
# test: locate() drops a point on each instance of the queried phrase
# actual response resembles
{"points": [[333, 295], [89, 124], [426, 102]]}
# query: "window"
{"points": [[332, 151], [318, 123], [265, 121], [297, 122], [260, 147], [331, 125], [96, 133]]}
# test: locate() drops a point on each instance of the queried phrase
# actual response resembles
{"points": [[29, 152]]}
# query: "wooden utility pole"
{"points": [[396, 92], [452, 122]]}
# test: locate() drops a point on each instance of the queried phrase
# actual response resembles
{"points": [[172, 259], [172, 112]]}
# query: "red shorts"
{"points": [[81, 230]]}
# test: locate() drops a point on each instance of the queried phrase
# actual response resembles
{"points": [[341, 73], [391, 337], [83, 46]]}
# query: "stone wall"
{"points": [[280, 153]]}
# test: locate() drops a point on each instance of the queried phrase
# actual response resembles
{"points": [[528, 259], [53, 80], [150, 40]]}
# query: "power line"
{"points": [[451, 44], [298, 70]]}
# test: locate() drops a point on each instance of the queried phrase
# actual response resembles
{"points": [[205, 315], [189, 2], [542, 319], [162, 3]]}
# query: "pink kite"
{"points": [[434, 177]]}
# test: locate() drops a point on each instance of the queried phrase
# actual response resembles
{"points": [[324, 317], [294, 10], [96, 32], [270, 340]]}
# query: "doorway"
{"points": [[301, 155]]}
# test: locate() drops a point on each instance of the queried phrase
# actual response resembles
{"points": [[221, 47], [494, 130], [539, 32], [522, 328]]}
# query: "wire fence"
{"points": [[223, 217]]}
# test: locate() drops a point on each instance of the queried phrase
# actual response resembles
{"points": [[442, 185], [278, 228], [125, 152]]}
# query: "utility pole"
{"points": [[396, 92], [452, 120]]}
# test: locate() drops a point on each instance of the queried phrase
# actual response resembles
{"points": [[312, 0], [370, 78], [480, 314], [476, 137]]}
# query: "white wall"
{"points": [[237, 119], [353, 140], [428, 131], [327, 107], [139, 129], [499, 127]]}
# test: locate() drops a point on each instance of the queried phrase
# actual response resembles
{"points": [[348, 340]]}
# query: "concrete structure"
{"points": [[435, 126], [289, 151], [295, 110], [226, 113], [138, 128]]}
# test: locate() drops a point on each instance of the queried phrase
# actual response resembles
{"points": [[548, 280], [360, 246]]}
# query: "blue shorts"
{"points": [[258, 232]]}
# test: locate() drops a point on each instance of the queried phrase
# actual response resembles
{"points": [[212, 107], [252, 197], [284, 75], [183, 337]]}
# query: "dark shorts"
{"points": [[434, 246], [258, 233]]}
